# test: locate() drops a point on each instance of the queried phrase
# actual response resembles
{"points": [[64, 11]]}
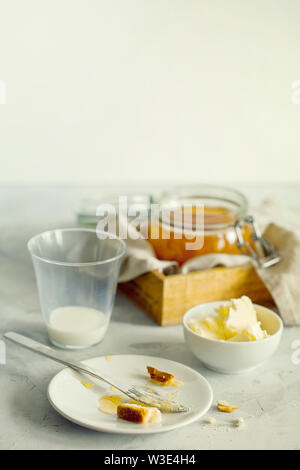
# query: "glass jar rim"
{"points": [[175, 198]]}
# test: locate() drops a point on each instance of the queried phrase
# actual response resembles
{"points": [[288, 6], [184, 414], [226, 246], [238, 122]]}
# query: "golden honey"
{"points": [[108, 404], [217, 234]]}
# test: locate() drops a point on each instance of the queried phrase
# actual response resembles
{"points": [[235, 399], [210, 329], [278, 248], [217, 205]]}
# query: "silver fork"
{"points": [[140, 395]]}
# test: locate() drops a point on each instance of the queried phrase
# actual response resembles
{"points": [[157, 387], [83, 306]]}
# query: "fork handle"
{"points": [[58, 357]]}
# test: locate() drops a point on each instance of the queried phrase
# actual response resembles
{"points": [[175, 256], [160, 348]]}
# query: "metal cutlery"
{"points": [[136, 394]]}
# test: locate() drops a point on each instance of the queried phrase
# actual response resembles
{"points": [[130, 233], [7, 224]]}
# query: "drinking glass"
{"points": [[77, 273]]}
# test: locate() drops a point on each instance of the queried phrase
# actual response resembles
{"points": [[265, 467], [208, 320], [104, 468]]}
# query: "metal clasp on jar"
{"points": [[264, 254]]}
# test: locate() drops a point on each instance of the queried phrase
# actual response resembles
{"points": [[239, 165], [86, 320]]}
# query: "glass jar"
{"points": [[220, 209]]}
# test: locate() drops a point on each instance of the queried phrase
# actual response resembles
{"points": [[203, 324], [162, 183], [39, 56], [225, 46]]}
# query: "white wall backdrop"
{"points": [[133, 90]]}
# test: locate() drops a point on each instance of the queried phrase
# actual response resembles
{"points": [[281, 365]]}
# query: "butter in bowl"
{"points": [[234, 336]]}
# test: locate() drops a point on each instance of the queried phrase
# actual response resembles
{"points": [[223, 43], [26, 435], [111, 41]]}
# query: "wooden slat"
{"points": [[167, 298], [147, 292]]}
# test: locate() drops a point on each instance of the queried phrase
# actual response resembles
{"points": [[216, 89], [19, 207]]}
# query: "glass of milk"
{"points": [[77, 273]]}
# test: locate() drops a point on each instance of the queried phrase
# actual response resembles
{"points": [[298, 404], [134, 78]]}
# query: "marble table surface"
{"points": [[269, 398]]}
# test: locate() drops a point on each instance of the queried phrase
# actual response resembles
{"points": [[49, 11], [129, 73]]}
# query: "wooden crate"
{"points": [[167, 298]]}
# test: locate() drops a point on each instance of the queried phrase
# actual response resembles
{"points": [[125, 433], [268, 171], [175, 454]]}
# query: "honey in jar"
{"points": [[220, 209]]}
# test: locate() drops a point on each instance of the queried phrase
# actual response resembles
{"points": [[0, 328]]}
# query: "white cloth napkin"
{"points": [[140, 259], [280, 226]]}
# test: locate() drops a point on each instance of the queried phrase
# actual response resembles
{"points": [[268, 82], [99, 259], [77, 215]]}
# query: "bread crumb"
{"points": [[138, 413], [159, 377], [210, 420], [108, 358], [113, 389], [239, 422], [224, 407]]}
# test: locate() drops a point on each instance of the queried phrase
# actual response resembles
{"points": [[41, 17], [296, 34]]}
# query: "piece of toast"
{"points": [[159, 377], [138, 413]]}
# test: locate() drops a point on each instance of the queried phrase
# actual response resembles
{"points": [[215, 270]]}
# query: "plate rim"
{"points": [[149, 430]]}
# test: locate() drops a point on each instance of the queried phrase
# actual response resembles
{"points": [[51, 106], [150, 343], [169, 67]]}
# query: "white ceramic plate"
{"points": [[80, 405]]}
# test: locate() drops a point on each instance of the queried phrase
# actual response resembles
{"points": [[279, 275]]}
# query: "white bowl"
{"points": [[233, 357]]}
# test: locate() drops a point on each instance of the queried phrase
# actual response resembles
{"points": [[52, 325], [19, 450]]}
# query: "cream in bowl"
{"points": [[234, 336]]}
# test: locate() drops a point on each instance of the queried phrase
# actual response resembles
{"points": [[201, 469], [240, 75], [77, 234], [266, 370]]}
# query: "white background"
{"points": [[139, 90]]}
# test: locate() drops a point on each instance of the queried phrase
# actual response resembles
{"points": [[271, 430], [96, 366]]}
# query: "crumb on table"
{"points": [[210, 420], [239, 422], [224, 407]]}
